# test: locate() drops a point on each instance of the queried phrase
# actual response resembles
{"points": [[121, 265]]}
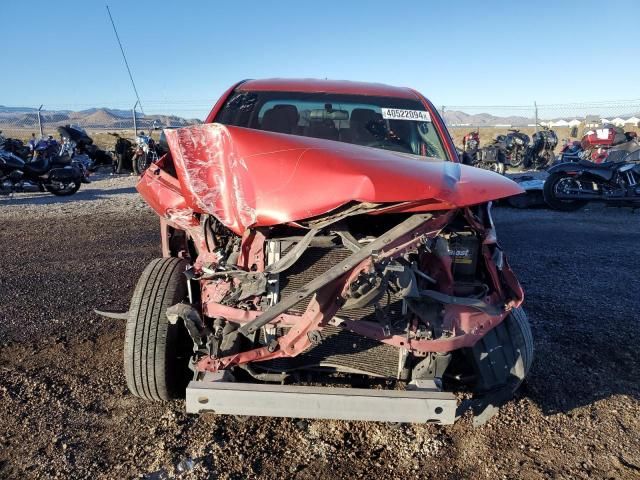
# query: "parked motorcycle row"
{"points": [[48, 165], [515, 150], [136, 155], [603, 167], [60, 167]]}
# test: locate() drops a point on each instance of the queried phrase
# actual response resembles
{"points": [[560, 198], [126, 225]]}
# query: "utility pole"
{"points": [[535, 107]]}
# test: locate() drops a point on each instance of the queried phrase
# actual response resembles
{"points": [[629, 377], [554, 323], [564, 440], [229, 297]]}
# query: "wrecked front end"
{"points": [[402, 285]]}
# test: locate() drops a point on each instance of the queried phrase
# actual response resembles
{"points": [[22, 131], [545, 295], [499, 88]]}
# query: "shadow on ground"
{"points": [[86, 193], [579, 273]]}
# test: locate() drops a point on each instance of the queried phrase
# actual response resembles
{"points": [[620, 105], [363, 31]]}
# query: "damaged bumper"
{"points": [[423, 403]]}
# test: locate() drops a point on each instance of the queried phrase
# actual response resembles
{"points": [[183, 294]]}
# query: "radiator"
{"points": [[339, 349]]}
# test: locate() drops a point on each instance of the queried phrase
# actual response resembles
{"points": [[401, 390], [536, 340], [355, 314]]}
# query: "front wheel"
{"points": [[548, 158], [559, 183], [497, 167], [63, 189], [516, 158], [156, 352], [140, 163], [503, 357]]}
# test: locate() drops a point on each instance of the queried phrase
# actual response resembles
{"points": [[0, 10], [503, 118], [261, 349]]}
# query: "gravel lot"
{"points": [[66, 412]]}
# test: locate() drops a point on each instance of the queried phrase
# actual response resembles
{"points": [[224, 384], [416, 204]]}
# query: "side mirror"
{"points": [[573, 133]]}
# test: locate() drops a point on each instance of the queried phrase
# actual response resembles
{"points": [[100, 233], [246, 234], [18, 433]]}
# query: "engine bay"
{"points": [[386, 296]]}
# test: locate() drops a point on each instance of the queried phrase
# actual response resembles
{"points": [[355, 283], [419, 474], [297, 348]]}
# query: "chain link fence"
{"points": [[100, 123], [567, 119], [489, 120]]}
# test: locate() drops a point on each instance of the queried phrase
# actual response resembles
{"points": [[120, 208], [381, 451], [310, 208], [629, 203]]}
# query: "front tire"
{"points": [[549, 190], [549, 157], [505, 354], [157, 353], [140, 163], [497, 167], [516, 158]]}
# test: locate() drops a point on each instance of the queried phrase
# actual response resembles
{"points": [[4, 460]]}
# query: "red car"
{"points": [[319, 233]]}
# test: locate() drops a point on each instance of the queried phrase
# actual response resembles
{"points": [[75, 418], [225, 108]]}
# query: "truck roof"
{"points": [[313, 85]]}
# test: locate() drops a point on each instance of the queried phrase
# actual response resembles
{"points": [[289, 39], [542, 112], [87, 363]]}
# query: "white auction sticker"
{"points": [[400, 114]]}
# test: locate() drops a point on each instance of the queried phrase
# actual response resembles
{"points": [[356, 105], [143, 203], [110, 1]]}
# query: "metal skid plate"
{"points": [[419, 405]]}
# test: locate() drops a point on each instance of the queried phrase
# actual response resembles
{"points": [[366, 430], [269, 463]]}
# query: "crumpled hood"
{"points": [[248, 177]]}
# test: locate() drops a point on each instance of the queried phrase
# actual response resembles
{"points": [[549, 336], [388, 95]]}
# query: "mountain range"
{"points": [[455, 117], [103, 118], [111, 118]]}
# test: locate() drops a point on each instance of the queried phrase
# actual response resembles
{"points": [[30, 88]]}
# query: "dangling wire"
{"points": [[125, 59]]}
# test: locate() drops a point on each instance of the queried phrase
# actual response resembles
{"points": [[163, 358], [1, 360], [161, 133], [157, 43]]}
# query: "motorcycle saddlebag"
{"points": [[65, 174], [491, 154]]}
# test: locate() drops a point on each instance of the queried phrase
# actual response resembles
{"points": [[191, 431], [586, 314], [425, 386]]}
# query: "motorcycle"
{"points": [[44, 173], [596, 145], [491, 157], [571, 185], [122, 154], [15, 146], [470, 147], [145, 153], [46, 149], [76, 143], [571, 151], [515, 144], [540, 153]]}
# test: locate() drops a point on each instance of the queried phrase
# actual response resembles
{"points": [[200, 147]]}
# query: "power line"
{"points": [[125, 59]]}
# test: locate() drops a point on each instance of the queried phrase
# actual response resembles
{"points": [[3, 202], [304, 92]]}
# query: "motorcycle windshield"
{"points": [[75, 133]]}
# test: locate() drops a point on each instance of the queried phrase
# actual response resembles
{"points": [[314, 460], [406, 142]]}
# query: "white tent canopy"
{"points": [[632, 121], [574, 123], [618, 121]]}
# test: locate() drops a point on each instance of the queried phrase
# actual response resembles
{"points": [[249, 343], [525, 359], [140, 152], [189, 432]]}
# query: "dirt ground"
{"points": [[66, 412]]}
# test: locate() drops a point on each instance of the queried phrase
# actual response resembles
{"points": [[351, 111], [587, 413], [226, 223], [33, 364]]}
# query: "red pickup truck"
{"points": [[319, 234]]}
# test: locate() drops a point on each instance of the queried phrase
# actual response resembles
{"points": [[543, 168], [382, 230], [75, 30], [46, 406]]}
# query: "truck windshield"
{"points": [[398, 124]]}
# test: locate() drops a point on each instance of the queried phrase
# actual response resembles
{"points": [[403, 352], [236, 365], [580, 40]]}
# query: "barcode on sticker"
{"points": [[401, 114]]}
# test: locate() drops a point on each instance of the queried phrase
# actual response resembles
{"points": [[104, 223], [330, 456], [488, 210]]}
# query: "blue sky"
{"points": [[185, 54]]}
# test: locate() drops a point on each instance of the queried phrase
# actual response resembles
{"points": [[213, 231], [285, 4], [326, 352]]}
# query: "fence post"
{"points": [[443, 109], [135, 123], [40, 122], [535, 107]]}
